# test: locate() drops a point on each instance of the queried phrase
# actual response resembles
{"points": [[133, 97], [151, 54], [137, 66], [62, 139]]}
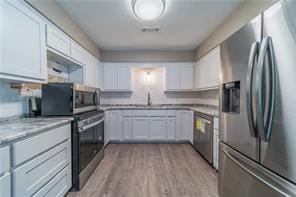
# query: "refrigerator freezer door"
{"points": [[279, 153], [235, 53], [240, 176]]}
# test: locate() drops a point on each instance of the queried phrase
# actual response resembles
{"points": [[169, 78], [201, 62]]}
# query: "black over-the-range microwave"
{"points": [[62, 99]]}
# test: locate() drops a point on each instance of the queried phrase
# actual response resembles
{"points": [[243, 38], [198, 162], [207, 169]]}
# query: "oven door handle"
{"points": [[81, 129]]}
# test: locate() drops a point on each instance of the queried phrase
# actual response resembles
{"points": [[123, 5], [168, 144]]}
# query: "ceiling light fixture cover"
{"points": [[148, 9]]}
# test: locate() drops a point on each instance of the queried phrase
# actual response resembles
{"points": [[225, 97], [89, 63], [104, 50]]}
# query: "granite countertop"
{"points": [[205, 109], [12, 130]]}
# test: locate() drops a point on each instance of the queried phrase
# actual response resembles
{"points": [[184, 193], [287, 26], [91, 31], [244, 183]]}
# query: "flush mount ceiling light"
{"points": [[148, 9]]}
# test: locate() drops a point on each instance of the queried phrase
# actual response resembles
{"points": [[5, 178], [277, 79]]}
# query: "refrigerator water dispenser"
{"points": [[231, 97]]}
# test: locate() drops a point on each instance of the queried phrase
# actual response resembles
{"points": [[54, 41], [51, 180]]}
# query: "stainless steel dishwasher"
{"points": [[203, 135]]}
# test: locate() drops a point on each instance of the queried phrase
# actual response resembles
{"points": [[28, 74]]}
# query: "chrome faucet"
{"points": [[149, 101]]}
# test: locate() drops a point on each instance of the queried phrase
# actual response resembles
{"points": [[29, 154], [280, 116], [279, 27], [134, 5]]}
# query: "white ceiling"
{"points": [[184, 25]]}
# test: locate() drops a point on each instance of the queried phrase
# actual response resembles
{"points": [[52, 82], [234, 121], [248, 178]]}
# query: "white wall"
{"points": [[11, 103], [155, 84]]}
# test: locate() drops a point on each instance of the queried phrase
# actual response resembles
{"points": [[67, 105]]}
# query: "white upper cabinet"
{"points": [[172, 77], [57, 40], [117, 77], [92, 71], [179, 77], [124, 77], [77, 52], [23, 47], [186, 79], [207, 70], [110, 77]]}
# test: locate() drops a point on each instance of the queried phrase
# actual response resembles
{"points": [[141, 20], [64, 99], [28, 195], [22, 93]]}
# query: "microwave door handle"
{"points": [[252, 61], [96, 98], [265, 131]]}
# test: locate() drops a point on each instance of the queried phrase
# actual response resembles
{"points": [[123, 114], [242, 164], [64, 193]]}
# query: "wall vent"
{"points": [[150, 29]]}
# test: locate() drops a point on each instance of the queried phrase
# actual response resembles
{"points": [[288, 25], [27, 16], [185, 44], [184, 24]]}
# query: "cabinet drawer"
{"points": [[34, 146], [216, 123], [58, 186], [78, 53], [157, 113], [171, 112], [58, 40], [5, 185], [4, 159], [33, 175], [140, 112], [127, 112]]}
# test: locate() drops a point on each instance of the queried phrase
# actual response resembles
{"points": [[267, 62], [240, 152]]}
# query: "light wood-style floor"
{"points": [[151, 170]]}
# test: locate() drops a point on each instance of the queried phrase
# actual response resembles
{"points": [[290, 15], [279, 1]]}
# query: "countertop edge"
{"points": [[35, 131]]}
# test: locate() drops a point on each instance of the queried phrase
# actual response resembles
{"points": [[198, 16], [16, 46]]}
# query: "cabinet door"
{"points": [[127, 128], [77, 52], [140, 128], [107, 129], [215, 68], [91, 71], [203, 74], [171, 128], [23, 50], [189, 128], [57, 40], [115, 125], [186, 77], [124, 81], [181, 125], [157, 128], [5, 187], [110, 77], [197, 76], [100, 75], [173, 77]]}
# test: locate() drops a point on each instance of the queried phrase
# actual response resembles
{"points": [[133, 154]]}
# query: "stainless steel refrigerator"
{"points": [[258, 106]]}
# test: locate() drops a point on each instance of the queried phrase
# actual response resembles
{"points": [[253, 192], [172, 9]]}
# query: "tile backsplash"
{"points": [[11, 102], [153, 80]]}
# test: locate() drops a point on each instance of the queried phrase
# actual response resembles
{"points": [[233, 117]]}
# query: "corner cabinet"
{"points": [[117, 77], [207, 71], [23, 44], [180, 77]]}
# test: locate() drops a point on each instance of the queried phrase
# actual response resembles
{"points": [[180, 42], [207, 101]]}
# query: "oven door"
{"points": [[91, 142]]}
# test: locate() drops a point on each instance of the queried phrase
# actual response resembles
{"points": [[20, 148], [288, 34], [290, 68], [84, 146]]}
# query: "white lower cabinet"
{"points": [[44, 170], [127, 128], [5, 188], [140, 128], [157, 128], [181, 125], [115, 125], [149, 125], [30, 177], [58, 186], [171, 128], [184, 125]]}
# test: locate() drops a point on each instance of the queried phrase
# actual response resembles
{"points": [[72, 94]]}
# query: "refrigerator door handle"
{"points": [[265, 129], [253, 173], [252, 61]]}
